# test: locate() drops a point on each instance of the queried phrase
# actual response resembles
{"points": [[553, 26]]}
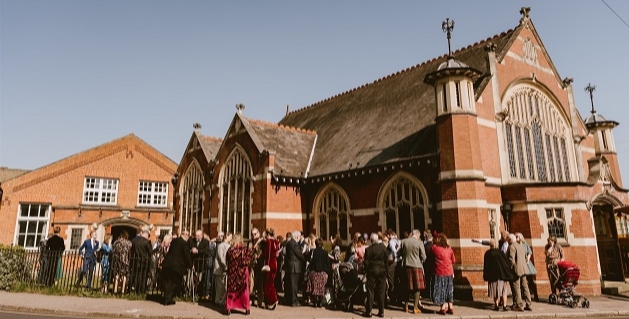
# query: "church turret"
{"points": [[461, 177], [454, 82], [600, 128]]}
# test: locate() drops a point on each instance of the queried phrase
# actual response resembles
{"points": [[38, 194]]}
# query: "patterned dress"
{"points": [[120, 262], [238, 261]]}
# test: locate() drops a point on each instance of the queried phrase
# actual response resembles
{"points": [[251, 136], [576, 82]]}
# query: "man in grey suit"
{"points": [[220, 271], [517, 257]]}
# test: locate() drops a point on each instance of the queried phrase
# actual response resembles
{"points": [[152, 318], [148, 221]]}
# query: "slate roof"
{"points": [[389, 120], [9, 173], [210, 145], [292, 146]]}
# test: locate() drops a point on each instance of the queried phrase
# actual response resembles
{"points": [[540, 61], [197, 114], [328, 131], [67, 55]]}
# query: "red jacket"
{"points": [[444, 259]]}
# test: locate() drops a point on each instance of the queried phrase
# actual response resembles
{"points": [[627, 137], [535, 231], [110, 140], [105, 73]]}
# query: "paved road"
{"points": [[16, 315]]}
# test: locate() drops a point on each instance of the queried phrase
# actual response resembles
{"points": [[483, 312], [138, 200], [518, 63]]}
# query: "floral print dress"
{"points": [[238, 259]]}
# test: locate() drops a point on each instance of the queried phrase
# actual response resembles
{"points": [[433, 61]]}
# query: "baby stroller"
{"points": [[566, 283], [352, 289]]}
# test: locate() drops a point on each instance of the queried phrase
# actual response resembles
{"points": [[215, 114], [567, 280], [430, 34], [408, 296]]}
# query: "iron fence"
{"points": [[69, 272]]}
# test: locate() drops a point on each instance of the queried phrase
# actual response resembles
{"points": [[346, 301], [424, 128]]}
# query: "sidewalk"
{"points": [[119, 308]]}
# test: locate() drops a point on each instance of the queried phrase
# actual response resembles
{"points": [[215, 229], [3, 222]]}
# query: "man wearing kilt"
{"points": [[413, 256]]}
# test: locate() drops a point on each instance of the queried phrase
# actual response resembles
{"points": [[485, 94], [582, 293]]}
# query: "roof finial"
{"points": [[240, 107], [524, 11], [287, 109], [197, 126], [590, 89], [447, 27]]}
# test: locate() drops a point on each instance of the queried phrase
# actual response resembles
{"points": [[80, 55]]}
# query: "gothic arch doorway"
{"points": [[606, 229]]}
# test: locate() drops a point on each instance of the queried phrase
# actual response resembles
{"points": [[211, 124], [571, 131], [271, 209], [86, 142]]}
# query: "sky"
{"points": [[77, 74]]}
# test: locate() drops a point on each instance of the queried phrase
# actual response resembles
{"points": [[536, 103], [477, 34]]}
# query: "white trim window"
{"points": [[76, 237], [32, 224], [537, 137], [236, 189], [556, 222], [102, 191], [333, 214], [153, 194]]}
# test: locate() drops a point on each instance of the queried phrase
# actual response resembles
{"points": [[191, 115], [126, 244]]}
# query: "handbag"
{"points": [[266, 267]]}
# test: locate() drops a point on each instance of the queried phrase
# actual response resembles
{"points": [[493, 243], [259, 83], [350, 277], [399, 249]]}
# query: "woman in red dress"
{"points": [[269, 254], [238, 259]]}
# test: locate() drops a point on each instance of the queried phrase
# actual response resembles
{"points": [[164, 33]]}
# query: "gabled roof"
{"points": [[92, 155], [388, 120], [292, 146], [9, 173], [209, 144]]}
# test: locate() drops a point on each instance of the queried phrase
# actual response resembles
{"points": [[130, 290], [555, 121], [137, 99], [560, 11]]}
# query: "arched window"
{"points": [[536, 134], [405, 205], [332, 213], [236, 185], [192, 199]]}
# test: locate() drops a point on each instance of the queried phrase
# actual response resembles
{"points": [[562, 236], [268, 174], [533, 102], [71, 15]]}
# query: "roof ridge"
{"points": [[459, 51], [282, 126], [212, 138]]}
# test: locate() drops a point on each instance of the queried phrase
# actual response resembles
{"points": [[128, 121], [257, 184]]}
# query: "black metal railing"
{"points": [[68, 272]]}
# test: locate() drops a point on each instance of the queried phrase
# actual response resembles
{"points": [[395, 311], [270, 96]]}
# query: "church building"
{"points": [[482, 139]]}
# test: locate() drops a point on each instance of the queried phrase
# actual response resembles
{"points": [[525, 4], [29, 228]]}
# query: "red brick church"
{"points": [[482, 139]]}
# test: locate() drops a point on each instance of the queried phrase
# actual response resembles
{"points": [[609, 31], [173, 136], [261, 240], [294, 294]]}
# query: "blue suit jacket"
{"points": [[90, 252]]}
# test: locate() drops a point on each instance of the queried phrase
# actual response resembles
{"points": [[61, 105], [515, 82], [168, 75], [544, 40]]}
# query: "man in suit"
{"points": [[220, 271], [199, 248], [294, 267], [517, 257], [175, 265], [141, 253], [54, 249], [88, 252], [376, 260]]}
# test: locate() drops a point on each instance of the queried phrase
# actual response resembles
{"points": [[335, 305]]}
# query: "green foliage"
{"points": [[13, 267]]}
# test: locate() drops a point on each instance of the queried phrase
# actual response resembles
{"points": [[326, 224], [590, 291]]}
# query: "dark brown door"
{"points": [[607, 242]]}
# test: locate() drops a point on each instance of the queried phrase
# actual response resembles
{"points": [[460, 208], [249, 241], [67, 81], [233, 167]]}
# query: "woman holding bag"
{"points": [[269, 253]]}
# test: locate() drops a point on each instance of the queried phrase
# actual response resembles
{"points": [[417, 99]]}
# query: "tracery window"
{"points": [[333, 213], [556, 222], [192, 199], [535, 134], [236, 185], [405, 206]]}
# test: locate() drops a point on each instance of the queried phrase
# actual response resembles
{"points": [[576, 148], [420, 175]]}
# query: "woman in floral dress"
{"points": [[238, 259], [120, 262]]}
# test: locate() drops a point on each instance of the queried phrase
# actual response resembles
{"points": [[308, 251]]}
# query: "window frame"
{"points": [[99, 190], [531, 111], [152, 194], [39, 232], [332, 200], [236, 190], [418, 203], [80, 239], [554, 218]]}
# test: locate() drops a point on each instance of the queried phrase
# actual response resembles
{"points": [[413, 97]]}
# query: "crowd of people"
{"points": [[236, 274]]}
